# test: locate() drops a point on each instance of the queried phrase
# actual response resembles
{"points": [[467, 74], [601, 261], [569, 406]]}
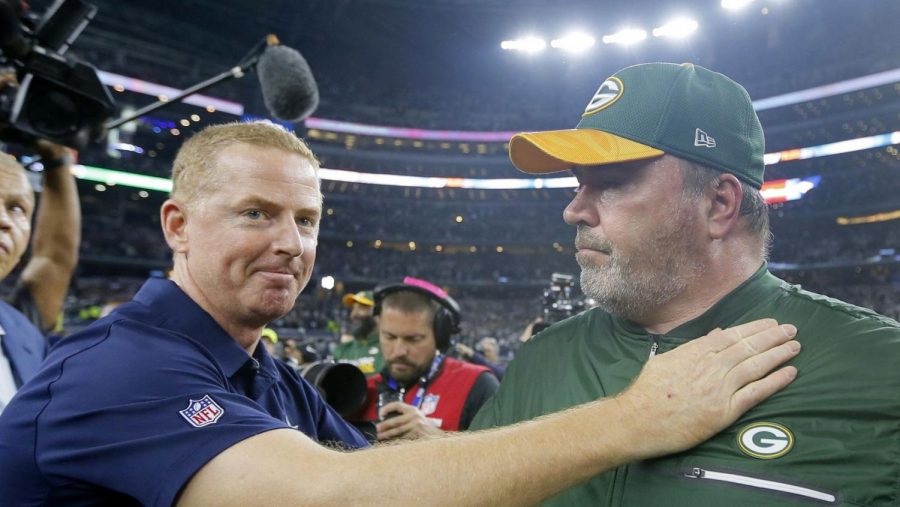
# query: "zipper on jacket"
{"points": [[700, 473], [654, 346]]}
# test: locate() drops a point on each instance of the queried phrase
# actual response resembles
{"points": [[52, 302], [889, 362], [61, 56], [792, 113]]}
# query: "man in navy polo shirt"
{"points": [[170, 399]]}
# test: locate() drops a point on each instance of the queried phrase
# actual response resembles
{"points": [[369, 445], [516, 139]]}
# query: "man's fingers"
{"points": [[388, 408], [756, 343], [389, 424], [399, 431], [753, 393], [719, 340], [756, 367]]}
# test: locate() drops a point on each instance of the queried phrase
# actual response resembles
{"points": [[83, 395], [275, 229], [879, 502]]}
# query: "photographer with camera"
{"points": [[421, 390], [40, 290]]}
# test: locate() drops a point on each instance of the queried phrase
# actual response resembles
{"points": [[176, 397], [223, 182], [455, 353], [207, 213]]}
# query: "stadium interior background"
{"points": [[433, 76]]}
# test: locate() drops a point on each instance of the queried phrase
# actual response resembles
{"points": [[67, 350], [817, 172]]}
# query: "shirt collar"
{"points": [[177, 312], [725, 313]]}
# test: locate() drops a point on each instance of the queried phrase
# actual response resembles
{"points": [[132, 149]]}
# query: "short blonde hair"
{"points": [[193, 172]]}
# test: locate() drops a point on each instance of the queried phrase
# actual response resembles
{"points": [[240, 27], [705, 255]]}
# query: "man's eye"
{"points": [[254, 214]]}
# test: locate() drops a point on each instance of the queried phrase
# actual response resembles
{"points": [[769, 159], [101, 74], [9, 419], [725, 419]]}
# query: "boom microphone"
{"points": [[288, 87]]}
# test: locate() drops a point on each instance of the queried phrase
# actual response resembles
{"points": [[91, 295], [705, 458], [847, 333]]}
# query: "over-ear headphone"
{"points": [[446, 319]]}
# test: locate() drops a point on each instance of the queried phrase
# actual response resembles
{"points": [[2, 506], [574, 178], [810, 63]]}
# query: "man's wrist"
{"points": [[632, 426], [54, 163]]}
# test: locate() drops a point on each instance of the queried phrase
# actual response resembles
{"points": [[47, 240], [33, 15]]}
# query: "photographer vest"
{"points": [[444, 397]]}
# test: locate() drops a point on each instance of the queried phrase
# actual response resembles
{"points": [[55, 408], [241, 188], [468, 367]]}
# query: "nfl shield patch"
{"points": [[429, 404], [202, 412]]}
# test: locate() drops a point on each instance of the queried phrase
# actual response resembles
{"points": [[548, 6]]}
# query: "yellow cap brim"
{"points": [[558, 150], [349, 299]]}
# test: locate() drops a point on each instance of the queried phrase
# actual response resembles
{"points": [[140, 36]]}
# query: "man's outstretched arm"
{"points": [[697, 389]]}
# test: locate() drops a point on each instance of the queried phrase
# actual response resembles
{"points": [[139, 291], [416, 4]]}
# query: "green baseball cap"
{"points": [[647, 110]]}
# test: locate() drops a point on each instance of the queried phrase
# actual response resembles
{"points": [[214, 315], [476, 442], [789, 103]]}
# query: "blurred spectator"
{"points": [[361, 347], [269, 339], [486, 353], [292, 354]]}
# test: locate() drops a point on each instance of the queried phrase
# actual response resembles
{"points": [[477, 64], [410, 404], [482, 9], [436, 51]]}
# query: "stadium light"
{"points": [[735, 4], [577, 42], [527, 44], [625, 37], [327, 282], [678, 28]]}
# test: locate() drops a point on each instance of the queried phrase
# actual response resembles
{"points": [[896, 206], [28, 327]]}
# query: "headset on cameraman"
{"points": [[446, 319]]}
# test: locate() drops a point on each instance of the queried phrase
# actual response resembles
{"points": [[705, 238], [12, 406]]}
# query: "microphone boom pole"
{"points": [[237, 72]]}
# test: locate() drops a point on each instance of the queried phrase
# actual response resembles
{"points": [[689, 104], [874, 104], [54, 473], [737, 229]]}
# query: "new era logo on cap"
{"points": [[703, 139]]}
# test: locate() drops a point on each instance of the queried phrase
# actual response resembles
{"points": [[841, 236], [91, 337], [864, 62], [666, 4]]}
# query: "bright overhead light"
{"points": [[735, 4], [625, 37], [574, 42], [677, 28], [327, 282], [528, 44]]}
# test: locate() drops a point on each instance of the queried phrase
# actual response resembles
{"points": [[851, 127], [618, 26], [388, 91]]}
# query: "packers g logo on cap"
{"points": [[765, 440], [606, 95]]}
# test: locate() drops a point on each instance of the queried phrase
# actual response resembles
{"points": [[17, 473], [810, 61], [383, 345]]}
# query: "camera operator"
{"points": [[421, 391], [40, 290]]}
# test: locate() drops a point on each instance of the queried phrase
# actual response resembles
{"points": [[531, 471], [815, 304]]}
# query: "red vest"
{"points": [[443, 400]]}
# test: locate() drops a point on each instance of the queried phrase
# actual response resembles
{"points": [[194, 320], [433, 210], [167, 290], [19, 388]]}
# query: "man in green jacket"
{"points": [[672, 237], [361, 345]]}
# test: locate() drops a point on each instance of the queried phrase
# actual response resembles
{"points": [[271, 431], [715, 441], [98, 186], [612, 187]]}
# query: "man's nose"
{"points": [[288, 240], [580, 211]]}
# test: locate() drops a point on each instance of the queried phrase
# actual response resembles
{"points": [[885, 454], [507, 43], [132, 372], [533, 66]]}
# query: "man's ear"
{"points": [[173, 217], [725, 205]]}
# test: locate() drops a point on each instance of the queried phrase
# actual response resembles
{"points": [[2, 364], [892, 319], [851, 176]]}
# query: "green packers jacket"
{"points": [[830, 438], [365, 354]]}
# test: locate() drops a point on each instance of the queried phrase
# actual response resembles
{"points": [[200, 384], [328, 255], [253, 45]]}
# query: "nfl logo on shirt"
{"points": [[429, 405], [202, 412]]}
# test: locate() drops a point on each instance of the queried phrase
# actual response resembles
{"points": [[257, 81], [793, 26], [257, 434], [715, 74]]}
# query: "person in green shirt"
{"points": [[361, 345], [672, 236]]}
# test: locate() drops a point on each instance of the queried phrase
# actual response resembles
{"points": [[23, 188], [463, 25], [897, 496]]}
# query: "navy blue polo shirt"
{"points": [[128, 410]]}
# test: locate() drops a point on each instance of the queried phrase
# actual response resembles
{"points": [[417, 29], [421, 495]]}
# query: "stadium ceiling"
{"points": [[434, 44]]}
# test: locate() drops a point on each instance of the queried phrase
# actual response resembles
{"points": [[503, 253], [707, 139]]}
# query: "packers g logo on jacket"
{"points": [[606, 95], [765, 440]]}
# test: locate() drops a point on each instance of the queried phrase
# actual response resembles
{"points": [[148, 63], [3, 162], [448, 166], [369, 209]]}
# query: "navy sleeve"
{"points": [[140, 416]]}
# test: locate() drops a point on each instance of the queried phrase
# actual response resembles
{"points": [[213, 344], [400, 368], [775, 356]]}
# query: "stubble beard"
{"points": [[632, 285], [410, 377]]}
